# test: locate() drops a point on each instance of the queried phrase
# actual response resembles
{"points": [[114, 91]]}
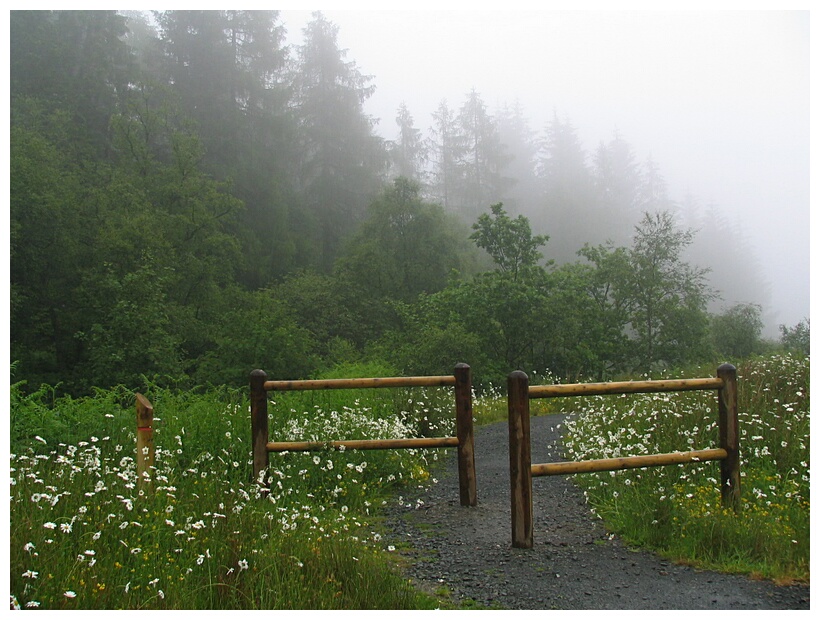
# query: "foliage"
{"points": [[566, 184], [508, 241], [190, 198], [408, 153], [736, 332], [797, 338], [404, 248], [677, 510], [256, 330], [667, 307], [341, 159], [201, 535]]}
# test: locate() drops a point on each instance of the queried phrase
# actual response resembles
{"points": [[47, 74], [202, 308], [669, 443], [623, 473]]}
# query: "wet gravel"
{"points": [[574, 564]]}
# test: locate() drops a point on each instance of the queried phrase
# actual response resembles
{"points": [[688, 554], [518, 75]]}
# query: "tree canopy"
{"points": [[191, 198]]}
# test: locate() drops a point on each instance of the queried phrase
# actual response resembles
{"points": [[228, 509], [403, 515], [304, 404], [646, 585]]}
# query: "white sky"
{"points": [[719, 99]]}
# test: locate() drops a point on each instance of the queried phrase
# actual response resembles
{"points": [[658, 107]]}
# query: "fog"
{"points": [[719, 100]]}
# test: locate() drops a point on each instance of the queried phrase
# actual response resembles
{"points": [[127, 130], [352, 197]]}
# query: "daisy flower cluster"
{"points": [[678, 508], [85, 535]]}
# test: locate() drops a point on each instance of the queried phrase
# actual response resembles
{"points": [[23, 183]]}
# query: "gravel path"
{"points": [[574, 563]]}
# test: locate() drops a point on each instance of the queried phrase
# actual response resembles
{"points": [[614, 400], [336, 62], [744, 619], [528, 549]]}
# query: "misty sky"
{"points": [[720, 100]]}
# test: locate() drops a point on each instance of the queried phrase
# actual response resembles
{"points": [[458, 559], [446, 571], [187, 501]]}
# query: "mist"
{"points": [[718, 100]]}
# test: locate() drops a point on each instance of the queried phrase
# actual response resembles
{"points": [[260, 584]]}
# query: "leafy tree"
{"points": [[508, 241], [667, 295], [430, 337], [736, 332], [502, 309], [257, 330], [797, 338], [75, 62], [605, 284], [320, 301], [129, 333], [50, 226], [405, 247], [574, 338]]}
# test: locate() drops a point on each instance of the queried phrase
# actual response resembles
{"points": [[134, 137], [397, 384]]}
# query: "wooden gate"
{"points": [[463, 441], [522, 470]]}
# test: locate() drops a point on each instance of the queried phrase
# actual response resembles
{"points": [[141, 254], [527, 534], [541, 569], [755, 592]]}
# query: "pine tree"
{"points": [[568, 200], [342, 161], [617, 178], [446, 148], [484, 158], [520, 144], [408, 153]]}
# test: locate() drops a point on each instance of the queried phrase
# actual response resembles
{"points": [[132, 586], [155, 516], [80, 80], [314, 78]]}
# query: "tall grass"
{"points": [[676, 510], [83, 535]]}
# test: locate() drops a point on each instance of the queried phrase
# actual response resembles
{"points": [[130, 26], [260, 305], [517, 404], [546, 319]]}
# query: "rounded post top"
{"points": [[517, 374], [462, 365], [726, 368], [258, 373]]}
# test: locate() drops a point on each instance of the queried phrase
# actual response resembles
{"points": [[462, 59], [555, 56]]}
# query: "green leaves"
{"points": [[667, 295], [508, 241]]}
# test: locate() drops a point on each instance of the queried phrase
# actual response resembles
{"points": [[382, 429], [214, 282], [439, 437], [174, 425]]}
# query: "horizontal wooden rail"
{"points": [[624, 387], [627, 462], [520, 393], [363, 444], [378, 382], [464, 442]]}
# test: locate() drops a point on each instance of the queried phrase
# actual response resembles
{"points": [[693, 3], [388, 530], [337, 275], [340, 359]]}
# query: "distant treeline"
{"points": [[191, 199]]}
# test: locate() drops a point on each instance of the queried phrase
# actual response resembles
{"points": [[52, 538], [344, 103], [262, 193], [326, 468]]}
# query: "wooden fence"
{"points": [[463, 441], [522, 470], [145, 442]]}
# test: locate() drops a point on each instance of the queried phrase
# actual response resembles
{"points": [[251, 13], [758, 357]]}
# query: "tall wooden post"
{"points": [[259, 423], [729, 437], [145, 442], [518, 407], [464, 433]]}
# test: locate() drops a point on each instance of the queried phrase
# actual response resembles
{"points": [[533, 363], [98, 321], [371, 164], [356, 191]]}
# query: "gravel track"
{"points": [[574, 564]]}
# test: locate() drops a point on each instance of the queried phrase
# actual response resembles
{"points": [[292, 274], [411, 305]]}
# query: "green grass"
{"points": [[83, 535], [676, 510]]}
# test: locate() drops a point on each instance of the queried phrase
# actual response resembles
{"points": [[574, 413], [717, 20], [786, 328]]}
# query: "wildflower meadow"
{"points": [[202, 534], [676, 510], [199, 533]]}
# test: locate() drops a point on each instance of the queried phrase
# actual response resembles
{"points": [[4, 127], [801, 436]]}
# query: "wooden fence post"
{"points": [[518, 407], [729, 437], [259, 423], [145, 442], [464, 433]]}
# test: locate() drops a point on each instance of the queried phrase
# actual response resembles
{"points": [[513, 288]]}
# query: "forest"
{"points": [[190, 199]]}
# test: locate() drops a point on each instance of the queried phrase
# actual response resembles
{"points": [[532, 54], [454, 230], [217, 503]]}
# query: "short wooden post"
{"points": [[259, 424], [729, 437], [464, 433], [518, 407], [145, 442]]}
